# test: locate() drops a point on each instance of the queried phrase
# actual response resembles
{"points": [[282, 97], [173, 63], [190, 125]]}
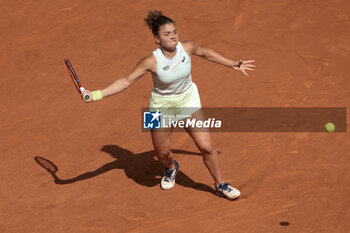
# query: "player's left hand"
{"points": [[243, 66]]}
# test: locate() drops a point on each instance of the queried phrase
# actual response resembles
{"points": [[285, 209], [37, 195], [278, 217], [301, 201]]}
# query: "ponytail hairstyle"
{"points": [[155, 19]]}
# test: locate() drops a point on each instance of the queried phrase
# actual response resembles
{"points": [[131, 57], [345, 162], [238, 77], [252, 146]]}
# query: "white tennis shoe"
{"points": [[168, 180], [226, 190]]}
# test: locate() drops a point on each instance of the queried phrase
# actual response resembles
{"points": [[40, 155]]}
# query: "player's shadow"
{"points": [[142, 168]]}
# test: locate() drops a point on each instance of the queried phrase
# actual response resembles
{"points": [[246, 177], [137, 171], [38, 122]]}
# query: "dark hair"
{"points": [[155, 19]]}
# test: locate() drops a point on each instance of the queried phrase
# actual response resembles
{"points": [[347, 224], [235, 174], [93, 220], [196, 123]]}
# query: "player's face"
{"points": [[167, 36]]}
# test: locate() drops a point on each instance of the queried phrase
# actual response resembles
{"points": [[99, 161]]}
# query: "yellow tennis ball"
{"points": [[329, 127]]}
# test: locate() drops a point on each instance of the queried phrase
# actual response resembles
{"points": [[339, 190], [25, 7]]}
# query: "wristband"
{"points": [[96, 95]]}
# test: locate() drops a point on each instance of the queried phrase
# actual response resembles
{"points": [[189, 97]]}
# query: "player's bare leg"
{"points": [[161, 141], [203, 141]]}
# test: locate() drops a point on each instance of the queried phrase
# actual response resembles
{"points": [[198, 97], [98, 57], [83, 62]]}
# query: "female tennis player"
{"points": [[170, 66]]}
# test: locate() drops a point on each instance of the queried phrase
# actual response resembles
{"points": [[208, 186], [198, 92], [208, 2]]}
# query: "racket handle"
{"points": [[86, 97]]}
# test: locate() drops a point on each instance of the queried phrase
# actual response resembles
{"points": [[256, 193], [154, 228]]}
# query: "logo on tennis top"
{"points": [[166, 67], [183, 59], [152, 120]]}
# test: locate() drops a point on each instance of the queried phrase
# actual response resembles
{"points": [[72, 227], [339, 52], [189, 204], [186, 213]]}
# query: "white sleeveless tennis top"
{"points": [[173, 75]]}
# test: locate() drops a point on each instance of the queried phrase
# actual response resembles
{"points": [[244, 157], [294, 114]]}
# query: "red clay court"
{"points": [[108, 179]]}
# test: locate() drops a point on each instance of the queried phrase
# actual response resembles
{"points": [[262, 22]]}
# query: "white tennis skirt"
{"points": [[176, 107]]}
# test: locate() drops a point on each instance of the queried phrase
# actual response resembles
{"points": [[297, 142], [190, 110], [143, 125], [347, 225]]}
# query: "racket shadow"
{"points": [[141, 168]]}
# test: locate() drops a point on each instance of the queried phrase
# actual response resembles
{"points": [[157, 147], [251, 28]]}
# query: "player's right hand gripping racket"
{"points": [[75, 79]]}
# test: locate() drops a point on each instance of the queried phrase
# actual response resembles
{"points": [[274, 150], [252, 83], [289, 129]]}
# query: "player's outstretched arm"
{"points": [[144, 65], [213, 56]]}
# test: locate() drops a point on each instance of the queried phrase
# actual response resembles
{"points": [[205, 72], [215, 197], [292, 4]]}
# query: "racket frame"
{"points": [[75, 79]]}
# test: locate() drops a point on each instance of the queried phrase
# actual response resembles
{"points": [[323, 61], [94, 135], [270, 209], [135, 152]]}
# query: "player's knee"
{"points": [[207, 149], [163, 154]]}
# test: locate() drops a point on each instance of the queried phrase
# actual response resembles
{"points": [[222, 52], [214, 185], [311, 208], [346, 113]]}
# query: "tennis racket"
{"points": [[75, 79]]}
